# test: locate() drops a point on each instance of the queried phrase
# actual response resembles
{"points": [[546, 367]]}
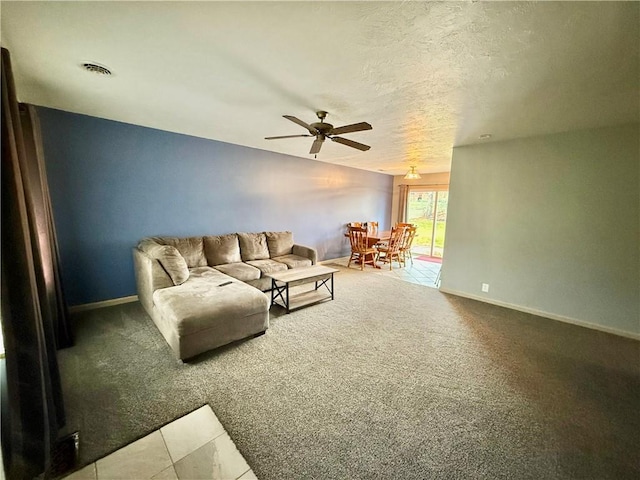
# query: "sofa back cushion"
{"points": [[253, 246], [222, 249], [191, 248], [279, 243], [169, 258]]}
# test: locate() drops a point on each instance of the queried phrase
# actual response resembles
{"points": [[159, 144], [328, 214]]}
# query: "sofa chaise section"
{"points": [[209, 310]]}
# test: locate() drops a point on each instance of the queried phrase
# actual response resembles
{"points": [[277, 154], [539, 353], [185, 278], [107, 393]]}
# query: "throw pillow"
{"points": [[280, 243], [253, 246], [173, 263]]}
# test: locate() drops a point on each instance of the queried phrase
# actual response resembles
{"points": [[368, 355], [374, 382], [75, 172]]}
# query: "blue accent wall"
{"points": [[114, 183]]}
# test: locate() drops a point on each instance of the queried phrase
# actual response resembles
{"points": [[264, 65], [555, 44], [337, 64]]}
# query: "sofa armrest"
{"points": [[307, 252], [150, 276]]}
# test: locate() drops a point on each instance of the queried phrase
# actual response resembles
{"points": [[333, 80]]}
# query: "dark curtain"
{"points": [[34, 316]]}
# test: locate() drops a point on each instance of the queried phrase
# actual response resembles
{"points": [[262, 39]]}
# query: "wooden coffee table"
{"points": [[282, 281]]}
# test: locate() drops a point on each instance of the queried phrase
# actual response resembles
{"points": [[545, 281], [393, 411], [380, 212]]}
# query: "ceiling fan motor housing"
{"points": [[322, 127]]}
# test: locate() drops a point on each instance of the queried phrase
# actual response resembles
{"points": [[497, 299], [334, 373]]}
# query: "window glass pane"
{"points": [[420, 210], [441, 221]]}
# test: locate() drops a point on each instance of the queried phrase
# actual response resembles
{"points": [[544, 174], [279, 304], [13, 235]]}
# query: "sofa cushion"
{"points": [[293, 261], [191, 248], [169, 258], [239, 270], [263, 283], [279, 243], [268, 266], [222, 249], [253, 246]]}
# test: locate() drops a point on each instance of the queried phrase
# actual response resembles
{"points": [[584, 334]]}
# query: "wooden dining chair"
{"points": [[360, 248], [407, 242], [392, 251]]}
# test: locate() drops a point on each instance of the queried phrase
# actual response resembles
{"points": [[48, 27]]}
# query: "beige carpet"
{"points": [[389, 380]]}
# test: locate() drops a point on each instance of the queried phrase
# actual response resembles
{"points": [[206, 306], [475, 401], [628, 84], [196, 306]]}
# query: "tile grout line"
{"points": [[166, 447], [164, 441], [244, 471]]}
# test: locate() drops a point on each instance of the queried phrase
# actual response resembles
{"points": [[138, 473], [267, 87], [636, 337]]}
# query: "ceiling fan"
{"points": [[322, 130]]}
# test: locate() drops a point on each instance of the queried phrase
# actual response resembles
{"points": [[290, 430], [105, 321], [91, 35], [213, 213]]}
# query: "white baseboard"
{"points": [[542, 313], [105, 303], [334, 260]]}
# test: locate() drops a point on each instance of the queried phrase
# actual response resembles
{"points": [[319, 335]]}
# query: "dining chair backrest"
{"points": [[372, 227], [390, 251], [396, 239], [409, 235], [407, 241], [359, 238], [401, 224], [352, 224]]}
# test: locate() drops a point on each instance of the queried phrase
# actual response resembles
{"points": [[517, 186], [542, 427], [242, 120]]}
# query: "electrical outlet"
{"points": [[485, 287]]}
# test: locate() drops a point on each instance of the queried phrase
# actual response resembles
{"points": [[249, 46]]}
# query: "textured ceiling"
{"points": [[428, 76]]}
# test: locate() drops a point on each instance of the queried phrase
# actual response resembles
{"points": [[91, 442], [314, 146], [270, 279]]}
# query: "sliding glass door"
{"points": [[427, 208]]}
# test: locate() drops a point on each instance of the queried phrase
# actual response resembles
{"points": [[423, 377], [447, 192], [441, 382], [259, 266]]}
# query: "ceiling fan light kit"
{"points": [[321, 131], [412, 174]]}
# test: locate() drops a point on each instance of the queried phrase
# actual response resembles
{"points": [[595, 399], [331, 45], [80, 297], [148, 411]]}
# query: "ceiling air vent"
{"points": [[96, 68]]}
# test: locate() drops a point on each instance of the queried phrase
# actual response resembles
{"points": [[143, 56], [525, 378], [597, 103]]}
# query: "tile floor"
{"points": [[420, 271], [195, 446]]}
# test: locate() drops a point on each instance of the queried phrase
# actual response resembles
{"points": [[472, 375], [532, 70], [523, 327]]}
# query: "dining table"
{"points": [[377, 237]]}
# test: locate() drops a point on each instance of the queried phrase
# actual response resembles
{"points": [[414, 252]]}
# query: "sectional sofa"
{"points": [[205, 292]]}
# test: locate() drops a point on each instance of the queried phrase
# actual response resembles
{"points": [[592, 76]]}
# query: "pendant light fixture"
{"points": [[412, 174]]}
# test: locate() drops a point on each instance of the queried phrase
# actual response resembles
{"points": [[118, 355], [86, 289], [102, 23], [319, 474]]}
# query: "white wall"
{"points": [[552, 224]]}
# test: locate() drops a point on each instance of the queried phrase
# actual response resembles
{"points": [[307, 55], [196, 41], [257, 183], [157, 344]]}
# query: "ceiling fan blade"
{"points": [[317, 144], [355, 127], [301, 123], [287, 136], [351, 143]]}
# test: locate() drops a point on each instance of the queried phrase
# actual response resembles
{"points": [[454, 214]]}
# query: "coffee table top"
{"points": [[302, 273]]}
